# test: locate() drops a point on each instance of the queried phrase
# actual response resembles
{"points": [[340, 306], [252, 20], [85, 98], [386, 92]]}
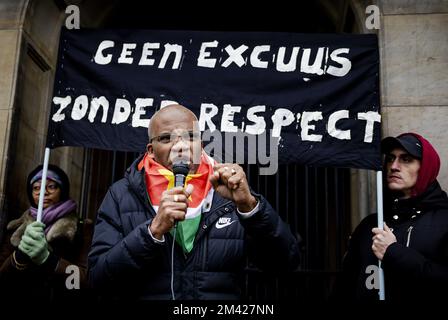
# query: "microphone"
{"points": [[180, 171]]}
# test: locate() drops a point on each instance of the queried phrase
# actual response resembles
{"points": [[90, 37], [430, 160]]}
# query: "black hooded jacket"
{"points": [[125, 262], [416, 266]]}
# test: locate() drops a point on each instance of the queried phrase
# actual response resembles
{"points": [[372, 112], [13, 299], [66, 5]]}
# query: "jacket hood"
{"points": [[134, 177], [429, 167]]}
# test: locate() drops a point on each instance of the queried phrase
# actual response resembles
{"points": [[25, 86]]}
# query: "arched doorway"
{"points": [[314, 201]]}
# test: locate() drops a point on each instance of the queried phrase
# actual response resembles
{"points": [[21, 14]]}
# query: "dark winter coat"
{"points": [[125, 262], [68, 240], [416, 266]]}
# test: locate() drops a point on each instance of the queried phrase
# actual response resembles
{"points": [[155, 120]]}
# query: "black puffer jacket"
{"points": [[416, 266], [125, 262]]}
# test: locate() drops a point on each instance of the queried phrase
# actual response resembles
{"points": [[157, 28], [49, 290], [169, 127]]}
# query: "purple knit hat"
{"points": [[54, 173], [50, 175]]}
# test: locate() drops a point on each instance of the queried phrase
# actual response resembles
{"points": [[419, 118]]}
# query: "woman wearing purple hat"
{"points": [[41, 256]]}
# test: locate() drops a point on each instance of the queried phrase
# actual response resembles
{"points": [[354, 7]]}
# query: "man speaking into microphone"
{"points": [[156, 240]]}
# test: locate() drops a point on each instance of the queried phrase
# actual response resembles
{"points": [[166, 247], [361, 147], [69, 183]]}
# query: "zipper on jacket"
{"points": [[205, 235], [204, 226], [204, 257], [408, 240]]}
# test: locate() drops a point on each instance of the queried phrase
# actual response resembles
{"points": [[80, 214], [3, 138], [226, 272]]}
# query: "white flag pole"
{"points": [[379, 197], [43, 185]]}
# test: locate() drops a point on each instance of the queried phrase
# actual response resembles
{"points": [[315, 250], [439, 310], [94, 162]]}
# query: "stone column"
{"points": [[29, 38], [12, 14], [414, 71], [413, 43]]}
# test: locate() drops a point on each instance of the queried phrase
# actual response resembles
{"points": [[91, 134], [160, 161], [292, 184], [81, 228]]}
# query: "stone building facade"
{"points": [[413, 40]]}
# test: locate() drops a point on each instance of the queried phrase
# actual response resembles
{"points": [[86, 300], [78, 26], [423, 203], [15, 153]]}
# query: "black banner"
{"points": [[312, 97]]}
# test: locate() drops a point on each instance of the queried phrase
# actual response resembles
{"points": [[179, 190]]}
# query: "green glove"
{"points": [[34, 244]]}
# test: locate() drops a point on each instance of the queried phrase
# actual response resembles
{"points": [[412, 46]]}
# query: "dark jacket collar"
{"points": [[398, 210]]}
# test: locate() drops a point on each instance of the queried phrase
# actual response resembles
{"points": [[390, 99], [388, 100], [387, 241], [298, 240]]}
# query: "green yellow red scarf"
{"points": [[158, 179]]}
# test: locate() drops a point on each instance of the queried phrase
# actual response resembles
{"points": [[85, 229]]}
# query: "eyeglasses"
{"points": [[50, 188], [167, 138]]}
